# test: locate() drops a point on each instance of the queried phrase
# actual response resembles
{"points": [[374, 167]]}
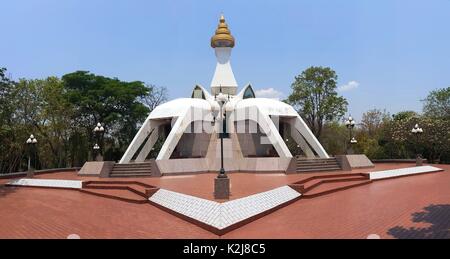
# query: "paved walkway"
{"points": [[387, 208], [201, 185]]}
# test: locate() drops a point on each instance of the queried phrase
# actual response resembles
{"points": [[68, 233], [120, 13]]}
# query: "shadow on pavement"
{"points": [[6, 190], [436, 215]]}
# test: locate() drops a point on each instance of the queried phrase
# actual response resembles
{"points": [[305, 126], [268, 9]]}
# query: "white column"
{"points": [[142, 134], [182, 122], [301, 142], [148, 145], [301, 126], [269, 128]]}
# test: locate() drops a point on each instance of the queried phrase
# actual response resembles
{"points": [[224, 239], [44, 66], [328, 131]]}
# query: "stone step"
{"points": [[328, 188], [132, 168], [312, 169], [316, 159], [149, 165], [331, 176], [313, 183], [141, 169], [130, 175], [121, 195], [121, 171], [134, 164], [318, 165], [305, 170], [321, 163]]}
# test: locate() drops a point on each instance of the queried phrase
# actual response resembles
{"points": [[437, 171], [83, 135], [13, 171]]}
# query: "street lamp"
{"points": [[350, 124], [417, 131], [96, 149], [98, 130], [221, 99], [31, 143], [222, 182]]}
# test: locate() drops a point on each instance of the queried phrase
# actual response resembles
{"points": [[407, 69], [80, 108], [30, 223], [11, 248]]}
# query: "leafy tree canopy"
{"points": [[315, 98], [106, 100], [437, 104], [404, 115]]}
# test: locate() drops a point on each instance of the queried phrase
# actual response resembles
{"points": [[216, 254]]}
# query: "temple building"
{"points": [[256, 131]]}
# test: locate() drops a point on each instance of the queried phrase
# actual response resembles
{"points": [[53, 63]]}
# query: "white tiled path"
{"points": [[403, 171], [223, 215], [73, 184]]}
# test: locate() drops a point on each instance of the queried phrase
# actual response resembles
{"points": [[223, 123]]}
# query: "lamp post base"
{"points": [[350, 151], [99, 158], [419, 160], [221, 188], [30, 173]]}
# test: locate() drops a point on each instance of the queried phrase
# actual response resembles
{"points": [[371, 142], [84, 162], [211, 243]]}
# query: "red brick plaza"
{"points": [[408, 207]]}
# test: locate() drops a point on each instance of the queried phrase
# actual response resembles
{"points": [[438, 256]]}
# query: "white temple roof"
{"points": [[267, 106], [176, 107]]}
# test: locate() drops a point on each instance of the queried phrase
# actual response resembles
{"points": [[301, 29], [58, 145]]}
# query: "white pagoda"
{"points": [[255, 130]]}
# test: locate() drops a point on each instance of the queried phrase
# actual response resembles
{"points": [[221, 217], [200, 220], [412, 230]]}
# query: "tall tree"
{"points": [[315, 98], [437, 104], [404, 115], [156, 96], [107, 100], [372, 120], [10, 147]]}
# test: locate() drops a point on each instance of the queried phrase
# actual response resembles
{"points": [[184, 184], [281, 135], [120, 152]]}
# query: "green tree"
{"points": [[334, 138], [437, 104], [373, 120], [110, 101], [315, 98], [404, 115], [10, 147], [434, 143]]}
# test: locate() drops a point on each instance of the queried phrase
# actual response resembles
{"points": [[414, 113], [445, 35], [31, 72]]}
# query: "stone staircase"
{"points": [[317, 165], [143, 169], [128, 191], [325, 184]]}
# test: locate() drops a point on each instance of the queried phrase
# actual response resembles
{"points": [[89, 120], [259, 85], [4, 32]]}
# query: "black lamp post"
{"points": [[98, 130], [222, 182], [31, 143], [221, 100], [417, 131], [350, 124]]}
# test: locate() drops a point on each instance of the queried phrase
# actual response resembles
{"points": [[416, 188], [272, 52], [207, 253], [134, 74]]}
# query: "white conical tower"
{"points": [[222, 42]]}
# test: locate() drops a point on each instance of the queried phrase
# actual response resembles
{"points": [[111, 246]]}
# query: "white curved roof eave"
{"points": [[177, 107], [268, 106]]}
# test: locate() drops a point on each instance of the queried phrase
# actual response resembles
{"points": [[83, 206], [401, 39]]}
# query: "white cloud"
{"points": [[349, 86], [269, 93]]}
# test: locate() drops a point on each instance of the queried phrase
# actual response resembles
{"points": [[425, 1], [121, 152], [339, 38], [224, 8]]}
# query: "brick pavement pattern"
{"points": [[408, 207]]}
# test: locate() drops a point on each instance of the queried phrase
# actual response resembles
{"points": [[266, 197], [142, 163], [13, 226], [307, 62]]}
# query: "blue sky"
{"points": [[388, 54]]}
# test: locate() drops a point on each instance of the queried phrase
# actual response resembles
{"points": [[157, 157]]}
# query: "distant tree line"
{"points": [[379, 134], [62, 113]]}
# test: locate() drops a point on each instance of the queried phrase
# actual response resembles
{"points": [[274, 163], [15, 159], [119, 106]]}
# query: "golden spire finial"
{"points": [[222, 37]]}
